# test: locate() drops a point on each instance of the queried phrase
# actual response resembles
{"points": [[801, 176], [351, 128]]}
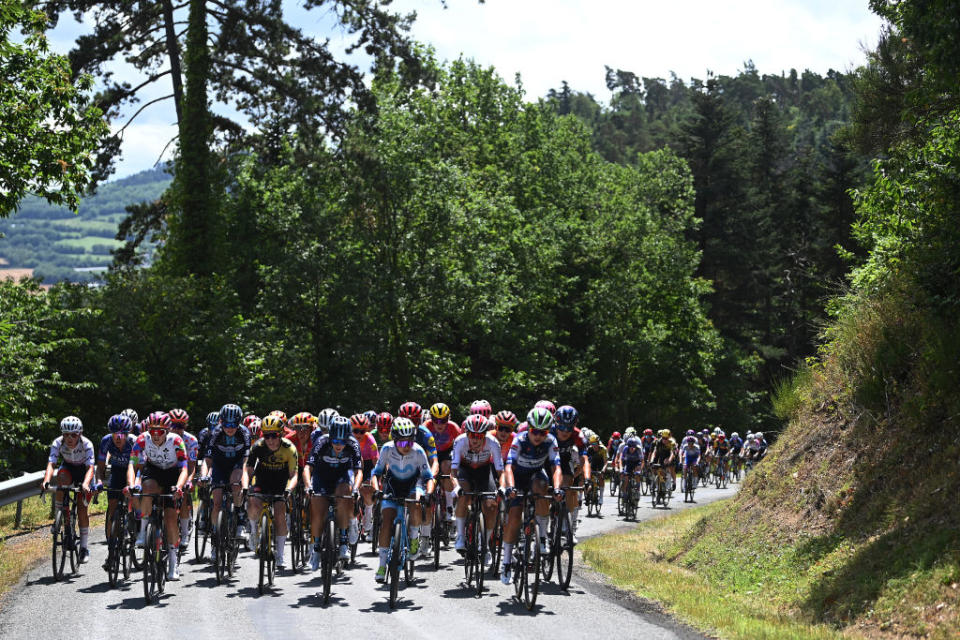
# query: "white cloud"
{"points": [[142, 146]]}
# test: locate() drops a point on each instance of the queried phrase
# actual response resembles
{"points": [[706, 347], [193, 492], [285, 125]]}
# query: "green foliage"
{"points": [[48, 127], [30, 342]]}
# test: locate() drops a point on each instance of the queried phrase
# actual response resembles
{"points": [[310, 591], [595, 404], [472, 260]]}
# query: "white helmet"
{"points": [[325, 419], [71, 424]]}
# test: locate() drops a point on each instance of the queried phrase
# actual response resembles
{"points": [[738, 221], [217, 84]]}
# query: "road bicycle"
{"points": [[475, 539], [560, 536], [398, 553], [65, 540], [496, 536], [330, 561], [266, 552], [591, 497], [690, 482], [226, 543], [720, 473], [440, 531], [156, 549], [299, 528], [660, 492], [121, 542], [527, 561], [202, 528]]}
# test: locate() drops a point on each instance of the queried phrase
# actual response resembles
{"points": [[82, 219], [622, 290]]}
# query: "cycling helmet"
{"points": [[71, 424], [665, 433], [616, 434], [384, 422], [340, 428], [475, 423], [546, 404], [566, 416], [303, 419], [629, 432], [734, 435], [411, 411], [325, 419], [130, 413], [230, 415], [716, 430], [119, 424], [506, 419], [179, 418], [403, 428], [254, 427], [440, 411], [691, 432], [648, 432], [271, 424], [540, 419], [371, 417], [594, 439], [213, 418], [585, 434], [359, 422], [758, 435], [158, 420], [481, 408], [279, 414]]}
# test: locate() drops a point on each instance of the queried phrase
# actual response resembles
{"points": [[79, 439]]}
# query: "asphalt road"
{"points": [[438, 605]]}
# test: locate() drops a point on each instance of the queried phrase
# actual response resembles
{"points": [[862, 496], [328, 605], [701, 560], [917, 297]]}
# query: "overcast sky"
{"points": [[549, 41]]}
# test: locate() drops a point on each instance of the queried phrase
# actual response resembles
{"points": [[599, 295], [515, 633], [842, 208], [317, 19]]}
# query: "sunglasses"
{"points": [[158, 432], [227, 425], [271, 436], [337, 441], [404, 443], [359, 431], [475, 436], [71, 435], [505, 429], [538, 432], [564, 429]]}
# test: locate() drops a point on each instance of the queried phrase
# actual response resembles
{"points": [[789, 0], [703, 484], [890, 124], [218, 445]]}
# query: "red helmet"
{"points": [[248, 419], [648, 432], [476, 423], [279, 414], [179, 418], [384, 422], [158, 420], [481, 408], [410, 411], [359, 422], [616, 434], [546, 404], [506, 418]]}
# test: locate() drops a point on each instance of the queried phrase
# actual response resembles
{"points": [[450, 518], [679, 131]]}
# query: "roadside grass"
{"points": [[741, 607], [21, 549]]}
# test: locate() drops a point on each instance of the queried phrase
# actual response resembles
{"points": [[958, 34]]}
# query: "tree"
{"points": [[48, 126]]}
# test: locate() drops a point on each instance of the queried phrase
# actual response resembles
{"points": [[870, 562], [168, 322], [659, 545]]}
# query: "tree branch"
{"points": [[130, 121]]}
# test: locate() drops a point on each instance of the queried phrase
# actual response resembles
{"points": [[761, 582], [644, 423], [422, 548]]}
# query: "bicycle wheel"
{"points": [[375, 529], [480, 556], [295, 534], [548, 560], [124, 543], [58, 546], [263, 553], [114, 549], [531, 567], [327, 558], [73, 541], [621, 502], [436, 537], [233, 543], [519, 570], [564, 549], [496, 543], [220, 546], [470, 551], [394, 564], [200, 534], [150, 568]]}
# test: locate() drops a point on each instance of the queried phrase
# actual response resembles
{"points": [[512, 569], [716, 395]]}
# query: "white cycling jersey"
{"points": [[81, 453], [487, 454]]}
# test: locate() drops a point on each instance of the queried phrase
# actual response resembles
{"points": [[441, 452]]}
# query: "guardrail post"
{"points": [[19, 518]]}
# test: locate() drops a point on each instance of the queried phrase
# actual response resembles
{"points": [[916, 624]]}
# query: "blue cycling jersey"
{"points": [[119, 456], [526, 457]]}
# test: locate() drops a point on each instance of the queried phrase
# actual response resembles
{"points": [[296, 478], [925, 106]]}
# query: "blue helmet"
{"points": [[213, 418], [567, 416], [231, 414], [340, 428], [119, 424]]}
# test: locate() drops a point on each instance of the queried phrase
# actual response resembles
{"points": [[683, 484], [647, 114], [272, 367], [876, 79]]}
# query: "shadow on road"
{"points": [[137, 603], [511, 607], [316, 600]]}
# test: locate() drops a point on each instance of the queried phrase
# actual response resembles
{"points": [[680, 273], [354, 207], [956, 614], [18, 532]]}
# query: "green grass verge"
{"points": [[740, 606]]}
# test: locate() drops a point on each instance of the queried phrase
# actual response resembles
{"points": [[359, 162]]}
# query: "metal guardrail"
{"points": [[19, 489]]}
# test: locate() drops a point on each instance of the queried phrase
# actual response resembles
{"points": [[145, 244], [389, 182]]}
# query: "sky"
{"points": [[549, 41]]}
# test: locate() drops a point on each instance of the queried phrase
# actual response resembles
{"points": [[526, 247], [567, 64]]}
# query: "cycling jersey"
{"points": [[192, 445], [598, 457], [464, 455], [272, 466], [368, 447], [445, 437], [80, 454], [690, 453], [403, 473], [168, 454], [302, 443], [631, 451], [525, 457], [505, 448], [203, 440], [425, 439], [324, 457], [613, 446], [736, 444], [119, 456], [227, 450]]}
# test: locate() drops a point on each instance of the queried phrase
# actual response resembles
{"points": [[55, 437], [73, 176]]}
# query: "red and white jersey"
{"points": [[170, 453], [488, 453]]}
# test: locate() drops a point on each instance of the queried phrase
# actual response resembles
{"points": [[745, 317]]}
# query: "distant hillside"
{"points": [[54, 242]]}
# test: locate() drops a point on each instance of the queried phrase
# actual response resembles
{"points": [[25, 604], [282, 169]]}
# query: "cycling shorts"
{"points": [[479, 479], [325, 484], [630, 466], [444, 455], [220, 474], [396, 490], [523, 481], [269, 486], [116, 482], [77, 472]]}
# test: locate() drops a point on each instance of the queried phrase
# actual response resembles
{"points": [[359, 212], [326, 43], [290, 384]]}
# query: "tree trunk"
{"points": [[173, 52]]}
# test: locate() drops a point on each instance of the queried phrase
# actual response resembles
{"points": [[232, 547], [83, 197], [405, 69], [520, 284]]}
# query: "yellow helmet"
{"points": [[271, 424], [665, 433], [440, 411], [594, 438]]}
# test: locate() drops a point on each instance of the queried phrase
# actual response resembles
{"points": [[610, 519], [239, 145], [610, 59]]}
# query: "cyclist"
{"points": [[384, 422], [251, 423], [298, 432], [115, 449], [506, 422], [74, 452], [424, 438], [663, 454], [573, 458], [272, 463], [179, 419], [597, 457], [690, 455], [532, 452], [162, 459], [476, 460], [629, 459], [445, 431], [203, 438], [406, 472], [613, 444], [369, 452], [334, 468], [721, 449], [227, 449]]}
